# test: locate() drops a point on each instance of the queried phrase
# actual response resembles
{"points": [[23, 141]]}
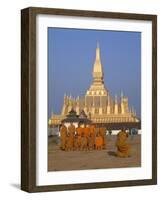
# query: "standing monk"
{"points": [[97, 130], [79, 131], [71, 131], [99, 142], [123, 148], [83, 140], [92, 135], [103, 134], [87, 135], [63, 137]]}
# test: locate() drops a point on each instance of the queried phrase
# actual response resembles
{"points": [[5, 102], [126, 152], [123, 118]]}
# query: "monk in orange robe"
{"points": [[63, 137], [71, 131], [97, 130], [99, 142], [79, 131], [103, 134], [87, 135], [67, 146], [84, 142], [123, 148], [92, 136]]}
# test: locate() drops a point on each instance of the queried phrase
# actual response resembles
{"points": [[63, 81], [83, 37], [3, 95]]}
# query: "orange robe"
{"points": [[103, 134], [97, 131], [99, 142], [84, 143], [63, 137], [87, 131], [79, 131], [123, 148], [92, 134], [85, 135], [71, 130]]}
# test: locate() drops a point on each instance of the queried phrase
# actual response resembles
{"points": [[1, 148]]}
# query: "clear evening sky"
{"points": [[71, 54]]}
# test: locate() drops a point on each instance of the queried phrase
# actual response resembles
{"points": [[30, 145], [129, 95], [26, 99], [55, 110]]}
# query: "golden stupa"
{"points": [[97, 102]]}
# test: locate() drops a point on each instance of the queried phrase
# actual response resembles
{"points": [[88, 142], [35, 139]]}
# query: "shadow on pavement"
{"points": [[111, 153]]}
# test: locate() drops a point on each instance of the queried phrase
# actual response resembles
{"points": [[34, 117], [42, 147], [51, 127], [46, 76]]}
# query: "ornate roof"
{"points": [[73, 117]]}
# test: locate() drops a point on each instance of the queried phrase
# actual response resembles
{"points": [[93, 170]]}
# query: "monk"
{"points": [[92, 136], [87, 135], [75, 142], [103, 134], [79, 131], [63, 137], [99, 142], [97, 130], [67, 146], [71, 131], [84, 142], [123, 148]]}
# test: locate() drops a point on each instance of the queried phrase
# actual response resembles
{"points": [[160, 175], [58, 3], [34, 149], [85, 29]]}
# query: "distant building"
{"points": [[98, 104]]}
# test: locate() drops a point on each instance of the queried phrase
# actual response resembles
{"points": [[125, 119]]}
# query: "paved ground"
{"points": [[59, 160]]}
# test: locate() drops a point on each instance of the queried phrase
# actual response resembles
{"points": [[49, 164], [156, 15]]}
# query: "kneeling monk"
{"points": [[123, 148]]}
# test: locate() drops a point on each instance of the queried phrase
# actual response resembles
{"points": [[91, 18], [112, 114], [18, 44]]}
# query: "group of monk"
{"points": [[90, 137], [86, 137]]}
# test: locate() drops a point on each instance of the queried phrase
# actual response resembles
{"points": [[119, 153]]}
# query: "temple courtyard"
{"points": [[59, 160]]}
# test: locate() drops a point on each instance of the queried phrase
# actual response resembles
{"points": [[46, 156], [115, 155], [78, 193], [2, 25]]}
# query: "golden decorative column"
{"points": [[116, 106]]}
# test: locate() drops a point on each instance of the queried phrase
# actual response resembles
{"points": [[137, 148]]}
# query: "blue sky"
{"points": [[71, 54]]}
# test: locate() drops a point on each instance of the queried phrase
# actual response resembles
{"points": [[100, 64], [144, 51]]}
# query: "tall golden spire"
{"points": [[97, 68], [97, 88]]}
